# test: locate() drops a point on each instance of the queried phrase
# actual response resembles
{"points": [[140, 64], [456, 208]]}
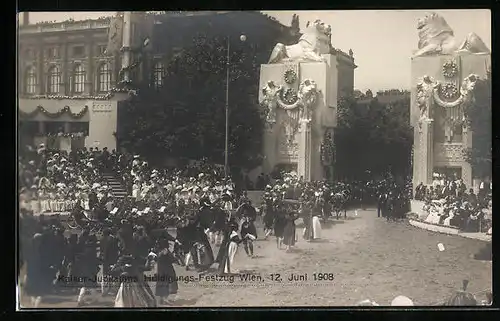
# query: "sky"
{"points": [[382, 40]]}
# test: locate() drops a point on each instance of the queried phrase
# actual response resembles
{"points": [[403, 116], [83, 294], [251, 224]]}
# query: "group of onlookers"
{"points": [[449, 202]]}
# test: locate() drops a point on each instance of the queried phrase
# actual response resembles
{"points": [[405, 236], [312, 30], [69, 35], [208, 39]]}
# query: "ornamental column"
{"points": [[127, 21], [305, 145], [427, 151]]}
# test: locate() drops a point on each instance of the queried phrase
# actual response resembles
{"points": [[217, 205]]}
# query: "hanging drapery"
{"points": [[65, 110]]}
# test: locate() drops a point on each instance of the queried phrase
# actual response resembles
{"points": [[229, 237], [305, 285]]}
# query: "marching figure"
{"points": [[289, 232], [249, 234], [229, 250], [166, 283]]}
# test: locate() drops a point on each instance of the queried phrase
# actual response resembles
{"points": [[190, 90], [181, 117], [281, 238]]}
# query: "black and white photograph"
{"points": [[209, 159]]}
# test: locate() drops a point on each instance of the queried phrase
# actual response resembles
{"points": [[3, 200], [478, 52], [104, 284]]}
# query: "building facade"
{"points": [[68, 74], [67, 79]]}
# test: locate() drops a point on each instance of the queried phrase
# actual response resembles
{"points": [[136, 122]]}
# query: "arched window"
{"points": [[78, 79], [30, 81], [158, 74], [54, 80], [104, 78]]}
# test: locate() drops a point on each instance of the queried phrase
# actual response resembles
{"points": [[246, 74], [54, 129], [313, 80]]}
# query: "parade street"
{"points": [[363, 257]]}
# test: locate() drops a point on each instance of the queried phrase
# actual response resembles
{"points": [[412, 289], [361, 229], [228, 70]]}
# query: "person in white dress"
{"points": [[230, 250]]}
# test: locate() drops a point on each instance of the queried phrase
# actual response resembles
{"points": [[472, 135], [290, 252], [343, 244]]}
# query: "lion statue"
{"points": [[315, 41], [437, 38]]}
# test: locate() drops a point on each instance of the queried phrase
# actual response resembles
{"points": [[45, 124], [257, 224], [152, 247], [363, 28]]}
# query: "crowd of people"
{"points": [[197, 201], [449, 202], [121, 239]]}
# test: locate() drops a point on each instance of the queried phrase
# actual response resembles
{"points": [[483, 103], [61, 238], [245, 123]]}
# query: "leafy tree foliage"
{"points": [[186, 117], [479, 118], [374, 136]]}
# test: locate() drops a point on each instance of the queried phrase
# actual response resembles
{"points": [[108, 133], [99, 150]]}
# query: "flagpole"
{"points": [[226, 143]]}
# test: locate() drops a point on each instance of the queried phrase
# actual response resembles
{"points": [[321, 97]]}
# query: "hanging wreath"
{"points": [[290, 76], [65, 110], [447, 104], [449, 91], [71, 135], [450, 69], [289, 96]]}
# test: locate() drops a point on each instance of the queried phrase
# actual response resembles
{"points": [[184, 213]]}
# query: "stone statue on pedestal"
{"points": [[437, 38], [315, 41]]}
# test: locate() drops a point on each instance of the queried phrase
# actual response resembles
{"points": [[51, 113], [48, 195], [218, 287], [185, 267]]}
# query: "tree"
{"points": [[186, 117], [479, 118], [374, 135]]}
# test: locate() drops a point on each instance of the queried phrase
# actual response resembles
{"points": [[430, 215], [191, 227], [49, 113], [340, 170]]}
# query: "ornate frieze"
{"points": [[452, 153]]}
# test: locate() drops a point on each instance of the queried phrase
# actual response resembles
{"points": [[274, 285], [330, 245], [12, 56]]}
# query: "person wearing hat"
{"points": [[249, 234]]}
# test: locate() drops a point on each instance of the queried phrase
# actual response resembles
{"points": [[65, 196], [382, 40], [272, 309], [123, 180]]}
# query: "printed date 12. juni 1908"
{"points": [[301, 277]]}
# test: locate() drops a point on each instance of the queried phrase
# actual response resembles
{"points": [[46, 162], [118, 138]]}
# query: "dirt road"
{"points": [[363, 257]]}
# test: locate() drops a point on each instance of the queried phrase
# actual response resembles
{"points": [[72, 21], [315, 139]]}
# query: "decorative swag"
{"points": [[65, 110]]}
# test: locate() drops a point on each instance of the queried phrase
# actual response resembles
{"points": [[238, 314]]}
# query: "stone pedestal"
{"points": [[433, 150], [295, 135]]}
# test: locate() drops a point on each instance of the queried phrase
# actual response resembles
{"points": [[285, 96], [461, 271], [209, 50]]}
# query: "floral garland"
{"points": [[120, 88], [65, 110], [447, 104], [61, 97], [72, 135], [450, 69], [290, 76]]}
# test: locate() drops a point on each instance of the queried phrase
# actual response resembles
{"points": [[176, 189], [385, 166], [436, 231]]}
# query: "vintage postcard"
{"points": [[182, 159]]}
